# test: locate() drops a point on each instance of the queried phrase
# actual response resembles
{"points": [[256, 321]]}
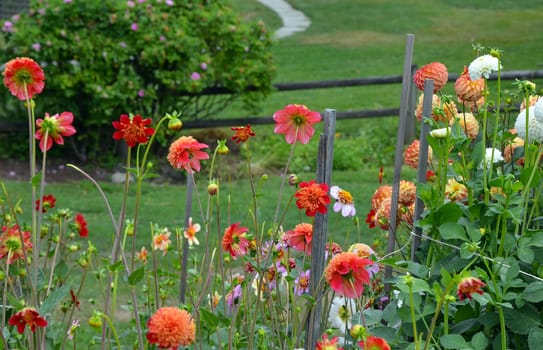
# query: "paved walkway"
{"points": [[294, 21]]}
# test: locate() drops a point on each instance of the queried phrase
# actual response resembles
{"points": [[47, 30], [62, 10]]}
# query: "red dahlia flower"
{"points": [[235, 240], [468, 286], [436, 71], [133, 130], [242, 134], [48, 203], [27, 316], [55, 127], [24, 78], [313, 197], [374, 343], [300, 238], [346, 274], [81, 225], [296, 122]]}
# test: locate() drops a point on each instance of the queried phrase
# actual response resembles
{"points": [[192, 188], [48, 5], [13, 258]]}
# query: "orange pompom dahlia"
{"points": [[436, 71], [171, 327], [468, 90]]}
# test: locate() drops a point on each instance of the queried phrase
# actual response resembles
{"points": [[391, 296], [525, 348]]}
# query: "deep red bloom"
{"points": [[133, 130], [81, 225], [242, 134], [235, 240], [55, 127], [346, 274], [24, 72], [468, 286], [313, 197], [370, 218], [171, 327], [48, 203], [11, 245], [296, 122], [374, 343], [186, 153], [27, 316], [300, 238]]}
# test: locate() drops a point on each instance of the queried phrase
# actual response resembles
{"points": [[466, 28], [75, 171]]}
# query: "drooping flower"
{"points": [[48, 203], [235, 240], [296, 122], [301, 283], [170, 328], [55, 126], [161, 240], [300, 238], [243, 133], [341, 313], [27, 317], [468, 90], [133, 130], [468, 286], [346, 273], [468, 123], [11, 245], [344, 201], [455, 191], [328, 344], [22, 76], [483, 66], [374, 343], [73, 328], [436, 71], [312, 197], [81, 225], [190, 233], [186, 153], [535, 128]]}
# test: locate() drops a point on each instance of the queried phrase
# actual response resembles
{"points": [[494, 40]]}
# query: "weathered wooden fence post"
{"points": [[184, 258], [398, 160], [423, 161], [320, 228]]}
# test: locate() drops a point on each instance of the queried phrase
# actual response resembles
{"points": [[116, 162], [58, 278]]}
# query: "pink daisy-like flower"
{"points": [[161, 241], [186, 153], [296, 122], [344, 201], [55, 126], [190, 233]]}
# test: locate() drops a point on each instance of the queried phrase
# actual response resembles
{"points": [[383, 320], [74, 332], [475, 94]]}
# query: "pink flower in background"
{"points": [[36, 46], [130, 4], [296, 122], [169, 2], [134, 26], [7, 27], [203, 65], [195, 76], [141, 93]]}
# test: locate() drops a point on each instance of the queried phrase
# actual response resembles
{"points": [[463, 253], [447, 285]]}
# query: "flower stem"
{"points": [[413, 318], [503, 335]]}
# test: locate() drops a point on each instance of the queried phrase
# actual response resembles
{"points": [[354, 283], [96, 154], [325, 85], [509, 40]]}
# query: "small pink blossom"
{"points": [[169, 2], [36, 46], [195, 76], [162, 38], [7, 27], [130, 4], [141, 93], [134, 26], [203, 65]]}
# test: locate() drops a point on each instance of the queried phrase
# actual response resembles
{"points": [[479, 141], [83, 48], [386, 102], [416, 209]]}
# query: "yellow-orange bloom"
{"points": [[469, 124], [380, 194], [411, 154], [455, 191], [408, 192], [171, 327], [509, 149], [468, 90], [440, 111]]}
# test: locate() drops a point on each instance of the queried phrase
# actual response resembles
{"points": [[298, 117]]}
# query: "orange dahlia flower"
{"points": [[242, 134], [171, 327], [186, 153], [468, 286], [468, 90], [382, 214], [27, 317], [346, 274], [380, 194], [300, 238], [133, 130], [296, 122], [11, 245], [24, 77], [469, 124], [509, 149], [408, 192], [374, 343], [313, 197], [440, 111], [436, 71]]}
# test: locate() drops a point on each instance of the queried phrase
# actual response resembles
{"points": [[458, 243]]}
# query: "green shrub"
{"points": [[113, 57]]}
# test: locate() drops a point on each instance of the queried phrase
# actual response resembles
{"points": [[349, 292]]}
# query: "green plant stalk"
{"points": [[55, 255], [446, 318], [113, 330], [436, 313], [72, 310], [503, 335], [284, 179], [483, 142], [115, 284], [495, 134], [413, 318], [526, 191], [4, 296]]}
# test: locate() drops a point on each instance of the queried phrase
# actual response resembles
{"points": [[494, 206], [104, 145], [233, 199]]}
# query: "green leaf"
{"points": [[452, 230], [136, 276], [36, 180], [454, 341], [537, 240], [521, 320], [209, 319], [535, 338], [416, 269], [479, 341], [116, 266], [533, 292], [54, 299], [449, 212]]}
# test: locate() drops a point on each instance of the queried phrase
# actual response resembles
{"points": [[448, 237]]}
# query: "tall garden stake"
{"points": [[407, 85], [423, 161], [324, 175], [184, 258]]}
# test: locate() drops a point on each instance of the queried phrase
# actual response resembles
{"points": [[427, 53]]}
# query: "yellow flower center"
{"points": [[344, 197]]}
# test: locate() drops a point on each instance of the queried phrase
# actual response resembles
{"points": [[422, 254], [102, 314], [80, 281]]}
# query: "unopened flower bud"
{"points": [[83, 262], [95, 320], [440, 133], [22, 272], [357, 331], [495, 53], [73, 248], [174, 124], [264, 177], [222, 148], [212, 189], [293, 180]]}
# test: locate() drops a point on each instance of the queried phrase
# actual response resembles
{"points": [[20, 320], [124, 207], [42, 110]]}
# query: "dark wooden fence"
{"points": [[9, 8]]}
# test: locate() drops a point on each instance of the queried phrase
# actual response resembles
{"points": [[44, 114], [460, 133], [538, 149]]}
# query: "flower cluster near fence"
{"points": [[245, 283]]}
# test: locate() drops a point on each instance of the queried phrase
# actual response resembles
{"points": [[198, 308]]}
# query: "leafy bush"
{"points": [[129, 56]]}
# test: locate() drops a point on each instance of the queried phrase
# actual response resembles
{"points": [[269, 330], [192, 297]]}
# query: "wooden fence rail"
{"points": [[310, 85]]}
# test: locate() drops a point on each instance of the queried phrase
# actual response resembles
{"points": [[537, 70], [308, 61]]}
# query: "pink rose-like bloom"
{"points": [[296, 122], [195, 76], [7, 27], [55, 126], [186, 153]]}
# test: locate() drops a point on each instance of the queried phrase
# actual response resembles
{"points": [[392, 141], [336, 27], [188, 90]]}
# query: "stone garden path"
{"points": [[294, 21]]}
